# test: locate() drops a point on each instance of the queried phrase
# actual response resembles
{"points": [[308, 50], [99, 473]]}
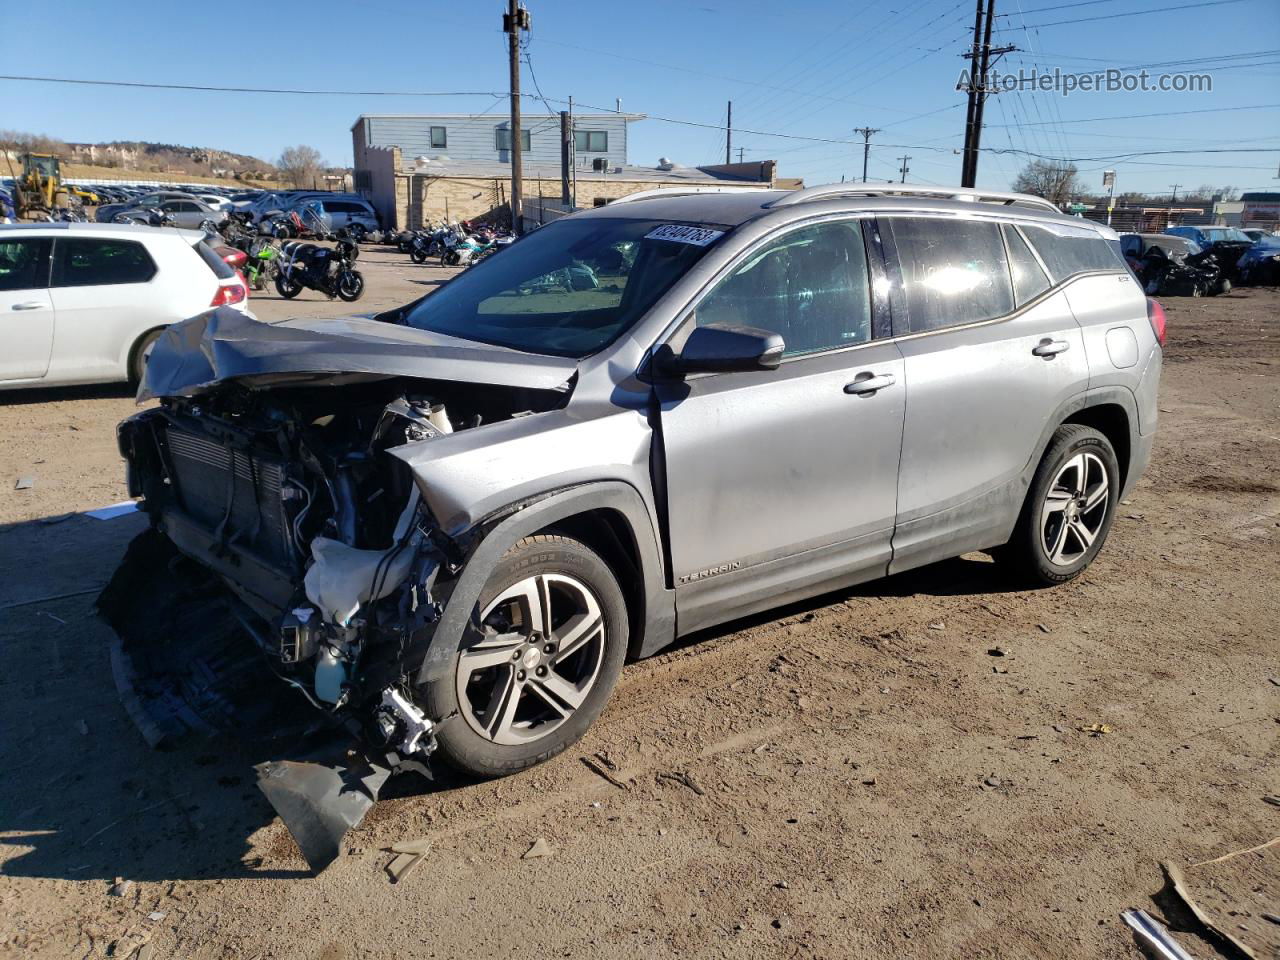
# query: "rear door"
{"points": [[26, 308], [781, 482], [990, 357], [105, 294]]}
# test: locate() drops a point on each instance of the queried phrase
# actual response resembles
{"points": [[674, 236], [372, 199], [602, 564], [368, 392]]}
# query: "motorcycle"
{"points": [[312, 267]]}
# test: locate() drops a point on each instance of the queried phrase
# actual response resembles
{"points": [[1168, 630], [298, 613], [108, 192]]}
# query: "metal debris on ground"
{"points": [[1271, 799], [1153, 937], [24, 483], [1096, 729], [540, 848]]}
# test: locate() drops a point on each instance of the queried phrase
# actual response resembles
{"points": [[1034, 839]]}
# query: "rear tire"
{"points": [[562, 691], [139, 356], [287, 288], [418, 255], [1068, 510]]}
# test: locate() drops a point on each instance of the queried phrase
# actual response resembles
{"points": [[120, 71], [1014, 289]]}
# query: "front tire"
{"points": [[351, 286], [418, 255], [1069, 508], [529, 684]]}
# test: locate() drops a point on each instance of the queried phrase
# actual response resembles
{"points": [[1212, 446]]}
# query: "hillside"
{"points": [[140, 159]]}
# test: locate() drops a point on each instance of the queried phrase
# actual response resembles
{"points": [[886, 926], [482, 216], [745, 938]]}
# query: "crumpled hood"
{"points": [[225, 344]]}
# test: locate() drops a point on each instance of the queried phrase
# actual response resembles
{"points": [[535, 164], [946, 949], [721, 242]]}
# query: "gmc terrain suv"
{"points": [[445, 528]]}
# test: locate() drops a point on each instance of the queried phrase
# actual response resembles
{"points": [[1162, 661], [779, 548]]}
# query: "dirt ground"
{"points": [[856, 776]]}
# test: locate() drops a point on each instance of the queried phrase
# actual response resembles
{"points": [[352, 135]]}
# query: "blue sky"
{"points": [[812, 69]]}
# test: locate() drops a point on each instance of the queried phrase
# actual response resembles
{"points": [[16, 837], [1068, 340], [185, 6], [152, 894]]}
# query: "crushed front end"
{"points": [[291, 579]]}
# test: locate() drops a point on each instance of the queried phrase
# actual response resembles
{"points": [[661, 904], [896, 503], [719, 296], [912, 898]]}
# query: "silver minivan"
{"points": [[448, 526]]}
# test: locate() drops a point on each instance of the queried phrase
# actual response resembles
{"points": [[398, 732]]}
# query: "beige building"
{"points": [[412, 192]]}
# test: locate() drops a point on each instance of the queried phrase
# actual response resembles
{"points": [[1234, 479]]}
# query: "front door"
{"points": [[781, 483], [26, 309]]}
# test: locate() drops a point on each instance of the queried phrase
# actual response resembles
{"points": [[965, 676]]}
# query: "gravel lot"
{"points": [[856, 776]]}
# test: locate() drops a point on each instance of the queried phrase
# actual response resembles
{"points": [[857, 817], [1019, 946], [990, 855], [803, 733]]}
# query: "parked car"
{"points": [[1260, 264], [356, 217], [84, 303], [1168, 265], [214, 202], [149, 200], [1255, 235], [1226, 243], [450, 524], [187, 212]]}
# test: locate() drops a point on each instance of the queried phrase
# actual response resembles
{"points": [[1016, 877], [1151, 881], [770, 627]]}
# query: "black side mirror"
{"points": [[721, 348]]}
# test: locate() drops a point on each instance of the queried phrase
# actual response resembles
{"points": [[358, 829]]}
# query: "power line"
{"points": [[1171, 113], [289, 90], [1134, 13]]}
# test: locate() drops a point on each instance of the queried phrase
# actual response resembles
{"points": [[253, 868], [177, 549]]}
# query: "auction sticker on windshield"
{"points": [[680, 233]]}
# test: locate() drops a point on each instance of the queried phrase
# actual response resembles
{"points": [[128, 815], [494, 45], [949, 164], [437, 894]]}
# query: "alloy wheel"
{"points": [[535, 662], [1075, 509]]}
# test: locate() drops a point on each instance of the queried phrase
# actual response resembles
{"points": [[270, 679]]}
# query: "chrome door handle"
{"points": [[29, 305], [868, 383], [1050, 348]]}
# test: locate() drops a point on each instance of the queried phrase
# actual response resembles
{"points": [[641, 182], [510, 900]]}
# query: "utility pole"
{"points": [[513, 21], [566, 156], [740, 151], [728, 135], [1174, 187], [904, 169], [981, 59], [866, 133]]}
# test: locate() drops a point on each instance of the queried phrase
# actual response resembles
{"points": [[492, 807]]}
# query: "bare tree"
{"points": [[1056, 182], [301, 165]]}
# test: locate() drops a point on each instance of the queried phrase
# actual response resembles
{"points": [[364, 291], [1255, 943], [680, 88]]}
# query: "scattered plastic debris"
{"points": [[113, 511], [1096, 729], [409, 853], [540, 848], [24, 483]]}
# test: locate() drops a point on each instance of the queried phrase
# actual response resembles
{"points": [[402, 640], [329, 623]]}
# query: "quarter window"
{"points": [[953, 271], [504, 139], [23, 264], [1029, 280], [439, 137], [81, 262], [1068, 250], [810, 286], [591, 141]]}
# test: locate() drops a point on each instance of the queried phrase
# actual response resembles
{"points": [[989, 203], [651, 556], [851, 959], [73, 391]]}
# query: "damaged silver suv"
{"points": [[442, 530]]}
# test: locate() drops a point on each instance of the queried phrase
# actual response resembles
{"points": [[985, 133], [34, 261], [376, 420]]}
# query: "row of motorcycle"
{"points": [[458, 244]]}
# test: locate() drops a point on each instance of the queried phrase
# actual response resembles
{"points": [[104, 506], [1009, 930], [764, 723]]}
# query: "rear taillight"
{"points": [[1155, 313], [231, 293]]}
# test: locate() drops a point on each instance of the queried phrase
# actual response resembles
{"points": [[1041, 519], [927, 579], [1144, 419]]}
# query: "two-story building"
{"points": [[421, 168]]}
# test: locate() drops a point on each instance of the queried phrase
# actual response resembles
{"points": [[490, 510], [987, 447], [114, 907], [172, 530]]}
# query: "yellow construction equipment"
{"points": [[40, 191]]}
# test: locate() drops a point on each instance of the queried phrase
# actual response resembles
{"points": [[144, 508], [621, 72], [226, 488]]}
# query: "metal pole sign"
{"points": [[1109, 182]]}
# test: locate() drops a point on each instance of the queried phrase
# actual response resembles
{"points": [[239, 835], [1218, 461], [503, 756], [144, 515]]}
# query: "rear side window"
{"points": [[809, 285], [24, 264], [1067, 251], [90, 261], [953, 271], [221, 269], [1029, 280]]}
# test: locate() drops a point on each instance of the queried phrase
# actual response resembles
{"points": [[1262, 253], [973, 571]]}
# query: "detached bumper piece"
{"points": [[320, 798]]}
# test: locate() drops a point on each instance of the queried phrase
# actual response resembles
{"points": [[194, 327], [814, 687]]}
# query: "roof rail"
{"points": [[971, 194], [686, 191]]}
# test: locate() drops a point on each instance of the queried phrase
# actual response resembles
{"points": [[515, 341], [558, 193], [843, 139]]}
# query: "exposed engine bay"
{"points": [[292, 575]]}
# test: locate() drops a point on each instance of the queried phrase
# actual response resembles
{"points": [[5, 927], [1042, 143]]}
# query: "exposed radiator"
{"points": [[249, 509]]}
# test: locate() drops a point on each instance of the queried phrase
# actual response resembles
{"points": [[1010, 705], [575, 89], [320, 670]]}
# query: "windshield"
{"points": [[1225, 235], [569, 288]]}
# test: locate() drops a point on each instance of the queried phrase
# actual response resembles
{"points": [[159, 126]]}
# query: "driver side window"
{"points": [[811, 286]]}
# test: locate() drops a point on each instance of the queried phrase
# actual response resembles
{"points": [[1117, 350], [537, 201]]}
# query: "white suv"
{"points": [[84, 302]]}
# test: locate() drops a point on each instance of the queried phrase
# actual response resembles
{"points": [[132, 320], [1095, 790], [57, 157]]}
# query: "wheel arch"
{"points": [[1112, 421], [132, 353], [611, 518]]}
